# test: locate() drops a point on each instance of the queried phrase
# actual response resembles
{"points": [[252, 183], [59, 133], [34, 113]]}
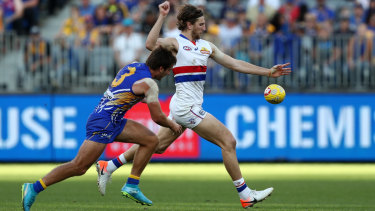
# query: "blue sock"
{"points": [[241, 188], [39, 186], [134, 180]]}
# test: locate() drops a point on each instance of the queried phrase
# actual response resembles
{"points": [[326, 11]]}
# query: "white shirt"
{"points": [[128, 46]]}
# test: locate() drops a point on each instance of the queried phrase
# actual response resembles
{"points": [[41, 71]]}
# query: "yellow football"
{"points": [[274, 94]]}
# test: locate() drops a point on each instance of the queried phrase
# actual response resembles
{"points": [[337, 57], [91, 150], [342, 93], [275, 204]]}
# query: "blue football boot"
{"points": [[133, 192], [28, 196]]}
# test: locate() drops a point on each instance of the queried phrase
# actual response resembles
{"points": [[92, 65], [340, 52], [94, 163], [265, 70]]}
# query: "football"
{"points": [[274, 94]]}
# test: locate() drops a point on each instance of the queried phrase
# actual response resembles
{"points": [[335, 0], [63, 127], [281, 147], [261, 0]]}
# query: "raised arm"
{"points": [[153, 39], [150, 89], [245, 67]]}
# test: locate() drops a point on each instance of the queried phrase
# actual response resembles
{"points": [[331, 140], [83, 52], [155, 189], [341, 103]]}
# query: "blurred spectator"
{"points": [[259, 32], [103, 24], [243, 22], [303, 10], [129, 3], [358, 15], [230, 33], [359, 49], [86, 8], [230, 9], [74, 25], [282, 40], [290, 11], [148, 21], [170, 29], [30, 15], [90, 37], [12, 11], [37, 58], [129, 45], [344, 28], [116, 11], [342, 35], [370, 11], [322, 12], [324, 52], [371, 23], [311, 25], [138, 12], [262, 7]]}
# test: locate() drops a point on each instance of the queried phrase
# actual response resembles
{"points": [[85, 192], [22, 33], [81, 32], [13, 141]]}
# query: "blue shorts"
{"points": [[101, 129]]}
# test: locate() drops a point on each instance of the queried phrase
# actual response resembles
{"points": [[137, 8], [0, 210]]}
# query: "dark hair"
{"points": [[161, 57], [188, 13]]}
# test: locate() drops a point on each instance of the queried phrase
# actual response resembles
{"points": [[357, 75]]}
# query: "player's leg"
{"points": [[166, 137], [135, 132], [106, 168], [214, 131], [88, 153], [146, 140]]}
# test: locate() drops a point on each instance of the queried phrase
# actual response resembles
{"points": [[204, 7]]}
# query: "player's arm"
{"points": [[245, 67], [153, 40], [150, 89]]}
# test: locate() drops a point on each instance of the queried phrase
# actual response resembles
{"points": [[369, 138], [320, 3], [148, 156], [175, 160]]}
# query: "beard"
{"points": [[195, 35]]}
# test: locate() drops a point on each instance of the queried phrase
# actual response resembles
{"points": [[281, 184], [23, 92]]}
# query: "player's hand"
{"points": [[164, 8], [279, 70], [176, 128]]}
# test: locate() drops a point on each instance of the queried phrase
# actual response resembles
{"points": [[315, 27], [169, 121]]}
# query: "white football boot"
{"points": [[255, 197], [103, 176]]}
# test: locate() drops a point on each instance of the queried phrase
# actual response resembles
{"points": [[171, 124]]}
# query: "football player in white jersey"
{"points": [[192, 54]]}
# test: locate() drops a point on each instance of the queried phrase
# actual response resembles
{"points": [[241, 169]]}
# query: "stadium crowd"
{"points": [[312, 35]]}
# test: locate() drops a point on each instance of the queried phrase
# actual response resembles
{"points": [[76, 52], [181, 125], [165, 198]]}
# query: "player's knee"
{"points": [[160, 149], [230, 144], [79, 168], [153, 142]]}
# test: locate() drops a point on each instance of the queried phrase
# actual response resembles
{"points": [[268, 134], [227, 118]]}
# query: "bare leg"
{"points": [[135, 132], [166, 138], [87, 155], [214, 131]]}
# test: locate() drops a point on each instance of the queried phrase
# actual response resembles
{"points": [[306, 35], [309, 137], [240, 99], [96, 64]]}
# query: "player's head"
{"points": [[190, 18], [160, 62]]}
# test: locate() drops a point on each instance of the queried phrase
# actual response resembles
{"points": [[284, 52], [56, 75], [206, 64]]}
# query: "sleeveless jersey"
{"points": [[119, 96], [190, 71]]}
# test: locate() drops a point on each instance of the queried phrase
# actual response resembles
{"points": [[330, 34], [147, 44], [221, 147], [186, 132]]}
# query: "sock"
{"points": [[132, 179], [242, 189], [39, 186], [116, 163]]}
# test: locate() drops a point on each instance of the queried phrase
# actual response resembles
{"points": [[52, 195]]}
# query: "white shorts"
{"points": [[190, 118]]}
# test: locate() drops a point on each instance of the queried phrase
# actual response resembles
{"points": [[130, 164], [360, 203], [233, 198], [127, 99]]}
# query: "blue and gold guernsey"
{"points": [[107, 120]]}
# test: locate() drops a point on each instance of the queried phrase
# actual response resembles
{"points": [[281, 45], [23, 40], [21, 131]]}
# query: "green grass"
{"points": [[201, 187]]}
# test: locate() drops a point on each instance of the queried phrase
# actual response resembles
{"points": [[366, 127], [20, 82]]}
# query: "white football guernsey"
{"points": [[190, 73]]}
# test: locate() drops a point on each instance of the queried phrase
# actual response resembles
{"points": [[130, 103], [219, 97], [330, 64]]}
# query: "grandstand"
{"points": [[324, 59]]}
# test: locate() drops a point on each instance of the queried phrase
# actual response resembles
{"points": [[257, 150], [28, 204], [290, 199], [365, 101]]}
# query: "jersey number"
{"points": [[121, 79]]}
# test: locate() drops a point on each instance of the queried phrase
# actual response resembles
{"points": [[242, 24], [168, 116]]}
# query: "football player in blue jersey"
{"points": [[107, 124]]}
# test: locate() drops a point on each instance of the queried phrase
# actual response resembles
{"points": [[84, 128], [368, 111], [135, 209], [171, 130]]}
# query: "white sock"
{"points": [[242, 189], [116, 163]]}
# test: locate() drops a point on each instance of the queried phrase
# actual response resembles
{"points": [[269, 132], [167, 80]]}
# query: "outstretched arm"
{"points": [[245, 67], [150, 89]]}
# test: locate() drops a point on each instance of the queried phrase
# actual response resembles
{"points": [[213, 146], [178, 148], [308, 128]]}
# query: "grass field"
{"points": [[203, 187]]}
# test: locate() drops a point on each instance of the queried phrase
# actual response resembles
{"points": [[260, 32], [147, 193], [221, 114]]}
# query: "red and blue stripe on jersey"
{"points": [[189, 73]]}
